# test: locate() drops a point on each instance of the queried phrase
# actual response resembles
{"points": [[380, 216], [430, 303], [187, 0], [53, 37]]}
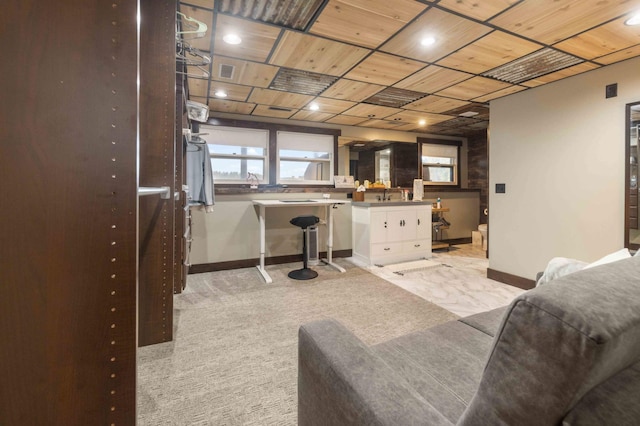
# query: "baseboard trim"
{"points": [[512, 280], [250, 263]]}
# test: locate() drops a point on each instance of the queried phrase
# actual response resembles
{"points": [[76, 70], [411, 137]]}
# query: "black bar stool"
{"points": [[304, 222]]}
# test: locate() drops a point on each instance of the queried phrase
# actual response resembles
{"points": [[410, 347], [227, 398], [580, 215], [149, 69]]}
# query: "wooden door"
{"points": [[69, 210]]}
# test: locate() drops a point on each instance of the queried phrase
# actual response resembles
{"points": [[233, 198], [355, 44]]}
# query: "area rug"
{"points": [[233, 360]]}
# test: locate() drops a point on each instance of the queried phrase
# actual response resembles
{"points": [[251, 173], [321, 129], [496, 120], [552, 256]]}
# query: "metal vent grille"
{"points": [[393, 97], [542, 62], [295, 14], [280, 109], [304, 82], [226, 71]]}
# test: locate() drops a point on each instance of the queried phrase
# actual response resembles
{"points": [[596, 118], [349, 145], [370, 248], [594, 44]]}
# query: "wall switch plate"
{"points": [[611, 90], [501, 188]]}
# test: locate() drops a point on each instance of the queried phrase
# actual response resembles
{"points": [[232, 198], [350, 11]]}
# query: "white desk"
{"points": [[329, 204]]}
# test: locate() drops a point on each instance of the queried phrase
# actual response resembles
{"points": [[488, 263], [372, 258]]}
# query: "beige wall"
{"points": [[560, 150]]}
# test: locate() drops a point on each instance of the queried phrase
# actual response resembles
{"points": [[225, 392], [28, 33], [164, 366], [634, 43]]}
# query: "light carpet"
{"points": [[233, 360]]}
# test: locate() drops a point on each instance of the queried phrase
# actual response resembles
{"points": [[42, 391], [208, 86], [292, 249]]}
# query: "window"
{"points": [[305, 158], [439, 164], [236, 152]]}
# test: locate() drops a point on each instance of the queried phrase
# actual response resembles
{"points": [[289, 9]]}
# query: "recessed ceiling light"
{"points": [[358, 144], [634, 20], [232, 39], [427, 41], [220, 94], [314, 106], [422, 122]]}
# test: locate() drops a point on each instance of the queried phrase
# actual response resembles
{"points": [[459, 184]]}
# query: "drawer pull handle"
{"points": [[418, 221], [416, 245], [387, 249]]}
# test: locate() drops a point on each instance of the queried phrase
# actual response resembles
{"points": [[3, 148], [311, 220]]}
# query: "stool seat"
{"points": [[304, 222]]}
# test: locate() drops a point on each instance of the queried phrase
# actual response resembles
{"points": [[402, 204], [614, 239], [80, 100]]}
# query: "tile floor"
{"points": [[455, 280]]}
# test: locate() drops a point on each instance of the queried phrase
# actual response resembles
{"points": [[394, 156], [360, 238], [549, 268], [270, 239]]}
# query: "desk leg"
{"points": [[329, 259], [260, 267]]}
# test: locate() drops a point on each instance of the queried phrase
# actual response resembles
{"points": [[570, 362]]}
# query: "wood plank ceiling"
{"points": [[363, 62]]}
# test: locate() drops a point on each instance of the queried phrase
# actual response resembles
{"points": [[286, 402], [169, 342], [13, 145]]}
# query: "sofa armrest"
{"points": [[341, 381]]}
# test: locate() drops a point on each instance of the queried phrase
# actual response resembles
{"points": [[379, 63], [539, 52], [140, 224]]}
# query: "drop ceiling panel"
{"points": [[432, 79], [296, 14], [244, 72], [385, 69], [619, 56], [232, 107], [489, 52], [381, 124], [333, 106], [234, 92], [311, 115], [304, 82], [550, 21], [305, 52], [365, 23], [279, 98], [394, 97], [257, 38], [604, 40], [267, 111], [473, 88], [198, 87], [346, 120], [480, 10], [481, 110], [351, 90], [371, 111], [415, 116], [450, 31], [436, 104], [500, 93]]}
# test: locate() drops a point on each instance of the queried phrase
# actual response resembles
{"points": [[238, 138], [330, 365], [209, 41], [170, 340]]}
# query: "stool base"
{"points": [[303, 274]]}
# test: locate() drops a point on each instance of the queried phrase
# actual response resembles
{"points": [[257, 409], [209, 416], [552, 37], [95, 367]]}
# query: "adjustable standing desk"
{"points": [[329, 204]]}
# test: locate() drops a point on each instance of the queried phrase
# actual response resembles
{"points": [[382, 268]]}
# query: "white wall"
{"points": [[560, 149]]}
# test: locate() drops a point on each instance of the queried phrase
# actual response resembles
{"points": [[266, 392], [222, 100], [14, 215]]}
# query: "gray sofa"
{"points": [[564, 353]]}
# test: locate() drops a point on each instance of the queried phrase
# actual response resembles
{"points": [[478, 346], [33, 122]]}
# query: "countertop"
{"points": [[389, 203]]}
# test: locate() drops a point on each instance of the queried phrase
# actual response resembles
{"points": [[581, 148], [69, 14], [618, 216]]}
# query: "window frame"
{"points": [[300, 145], [442, 145]]}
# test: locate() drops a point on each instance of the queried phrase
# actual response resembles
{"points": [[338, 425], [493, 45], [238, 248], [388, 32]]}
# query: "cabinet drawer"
{"points": [[385, 249], [417, 246]]}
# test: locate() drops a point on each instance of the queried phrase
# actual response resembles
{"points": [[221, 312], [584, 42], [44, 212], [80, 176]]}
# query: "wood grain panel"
{"points": [[415, 117], [366, 23], [333, 106], [381, 124], [480, 10], [265, 111], [604, 40], [436, 104], [619, 56], [370, 111], [234, 92], [305, 52], [473, 88], [351, 90], [384, 69], [558, 75], [404, 160], [478, 169], [68, 222], [245, 72], [157, 143], [490, 51], [257, 39], [231, 106], [450, 31], [346, 120], [500, 93], [550, 21], [311, 115], [278, 98], [433, 79]]}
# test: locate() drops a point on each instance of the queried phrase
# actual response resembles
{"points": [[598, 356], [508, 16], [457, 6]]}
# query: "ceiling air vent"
{"points": [[542, 62], [226, 71], [303, 82], [394, 97], [279, 109]]}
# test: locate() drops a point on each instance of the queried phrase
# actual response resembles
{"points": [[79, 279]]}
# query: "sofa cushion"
{"points": [[557, 342], [443, 364], [616, 401], [487, 322]]}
